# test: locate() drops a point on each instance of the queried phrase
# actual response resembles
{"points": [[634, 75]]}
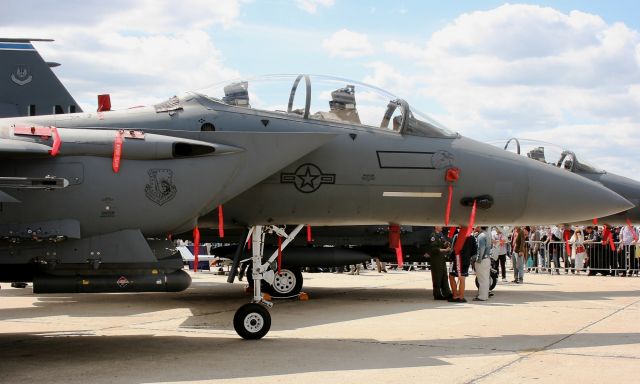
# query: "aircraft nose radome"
{"points": [[559, 196]]}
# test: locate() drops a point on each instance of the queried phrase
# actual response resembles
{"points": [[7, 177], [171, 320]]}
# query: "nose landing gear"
{"points": [[252, 321]]}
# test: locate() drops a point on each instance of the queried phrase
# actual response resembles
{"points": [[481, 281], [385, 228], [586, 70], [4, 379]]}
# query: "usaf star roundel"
{"points": [[308, 178]]}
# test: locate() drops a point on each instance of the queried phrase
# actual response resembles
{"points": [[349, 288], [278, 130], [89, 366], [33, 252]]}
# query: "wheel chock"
{"points": [[266, 297], [303, 296]]}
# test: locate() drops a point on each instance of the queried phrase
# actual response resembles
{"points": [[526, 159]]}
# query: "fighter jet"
{"points": [[28, 87], [566, 159], [285, 150]]}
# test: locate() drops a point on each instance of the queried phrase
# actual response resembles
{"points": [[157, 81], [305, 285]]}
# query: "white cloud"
{"points": [[516, 70], [346, 43], [162, 48], [311, 6], [387, 77]]}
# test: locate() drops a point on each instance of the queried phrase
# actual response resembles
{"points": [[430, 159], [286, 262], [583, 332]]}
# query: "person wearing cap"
{"points": [[438, 247]]}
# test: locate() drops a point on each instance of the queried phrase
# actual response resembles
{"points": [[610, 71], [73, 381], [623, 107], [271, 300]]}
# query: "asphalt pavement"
{"points": [[371, 328]]}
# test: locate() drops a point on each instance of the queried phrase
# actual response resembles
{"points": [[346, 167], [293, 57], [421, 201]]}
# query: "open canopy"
{"points": [[547, 153], [330, 99]]}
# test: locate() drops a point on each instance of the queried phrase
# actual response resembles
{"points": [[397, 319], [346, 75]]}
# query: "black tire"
{"points": [[252, 321], [288, 283], [493, 281]]}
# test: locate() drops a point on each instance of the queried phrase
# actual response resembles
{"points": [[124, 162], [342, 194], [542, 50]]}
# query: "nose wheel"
{"points": [[252, 321]]}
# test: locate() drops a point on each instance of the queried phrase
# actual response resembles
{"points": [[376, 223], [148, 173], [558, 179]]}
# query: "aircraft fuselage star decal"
{"points": [[308, 178]]}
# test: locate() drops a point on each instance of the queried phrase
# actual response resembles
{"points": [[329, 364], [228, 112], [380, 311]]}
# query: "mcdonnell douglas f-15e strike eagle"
{"points": [[87, 199]]}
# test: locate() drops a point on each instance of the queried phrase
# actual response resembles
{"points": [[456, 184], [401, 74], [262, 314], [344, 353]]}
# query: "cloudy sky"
{"points": [[566, 72]]}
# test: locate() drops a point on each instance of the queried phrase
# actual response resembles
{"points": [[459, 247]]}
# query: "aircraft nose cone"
{"points": [[557, 193]]}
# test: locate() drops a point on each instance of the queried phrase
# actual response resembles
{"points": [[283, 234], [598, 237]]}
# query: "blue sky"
{"points": [[566, 72]]}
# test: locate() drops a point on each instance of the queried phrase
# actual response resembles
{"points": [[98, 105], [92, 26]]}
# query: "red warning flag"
{"points": [[447, 213], [567, 235], [196, 247], [607, 237], [399, 256], [220, 222], [462, 236], [595, 221], [394, 243], [394, 236], [117, 152], [309, 238], [55, 148], [450, 176], [472, 219]]}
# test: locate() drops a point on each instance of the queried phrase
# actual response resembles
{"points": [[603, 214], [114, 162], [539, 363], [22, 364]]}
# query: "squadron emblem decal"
{"points": [[21, 75], [160, 188], [442, 159], [308, 178]]}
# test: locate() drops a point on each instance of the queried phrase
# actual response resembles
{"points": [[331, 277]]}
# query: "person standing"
{"points": [[460, 265], [628, 240], [437, 248], [519, 252], [578, 250], [500, 246], [555, 248], [483, 264], [534, 249]]}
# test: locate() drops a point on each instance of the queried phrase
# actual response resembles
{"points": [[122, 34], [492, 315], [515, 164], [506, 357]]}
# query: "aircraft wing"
{"points": [[187, 255]]}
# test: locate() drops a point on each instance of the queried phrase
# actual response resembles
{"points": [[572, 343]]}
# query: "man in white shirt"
{"points": [[483, 264], [628, 240]]}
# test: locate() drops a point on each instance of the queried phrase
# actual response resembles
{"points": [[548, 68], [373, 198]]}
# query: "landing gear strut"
{"points": [[252, 321]]}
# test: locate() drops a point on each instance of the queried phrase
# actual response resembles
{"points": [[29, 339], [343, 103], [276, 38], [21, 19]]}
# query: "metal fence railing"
{"points": [[557, 257]]}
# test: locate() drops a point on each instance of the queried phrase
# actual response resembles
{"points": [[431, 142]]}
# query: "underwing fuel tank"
{"points": [[159, 282]]}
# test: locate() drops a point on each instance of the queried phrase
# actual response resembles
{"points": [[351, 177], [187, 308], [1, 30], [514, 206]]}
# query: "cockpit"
{"points": [[548, 153], [328, 99]]}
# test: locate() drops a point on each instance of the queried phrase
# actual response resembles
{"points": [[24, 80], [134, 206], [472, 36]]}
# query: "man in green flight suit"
{"points": [[438, 246]]}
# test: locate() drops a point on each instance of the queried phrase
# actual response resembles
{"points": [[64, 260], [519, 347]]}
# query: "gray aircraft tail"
{"points": [[28, 86]]}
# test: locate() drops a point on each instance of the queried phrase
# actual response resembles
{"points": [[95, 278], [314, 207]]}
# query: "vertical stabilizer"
{"points": [[28, 86]]}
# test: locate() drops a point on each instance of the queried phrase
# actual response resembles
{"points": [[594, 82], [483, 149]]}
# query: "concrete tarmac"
{"points": [[372, 328]]}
